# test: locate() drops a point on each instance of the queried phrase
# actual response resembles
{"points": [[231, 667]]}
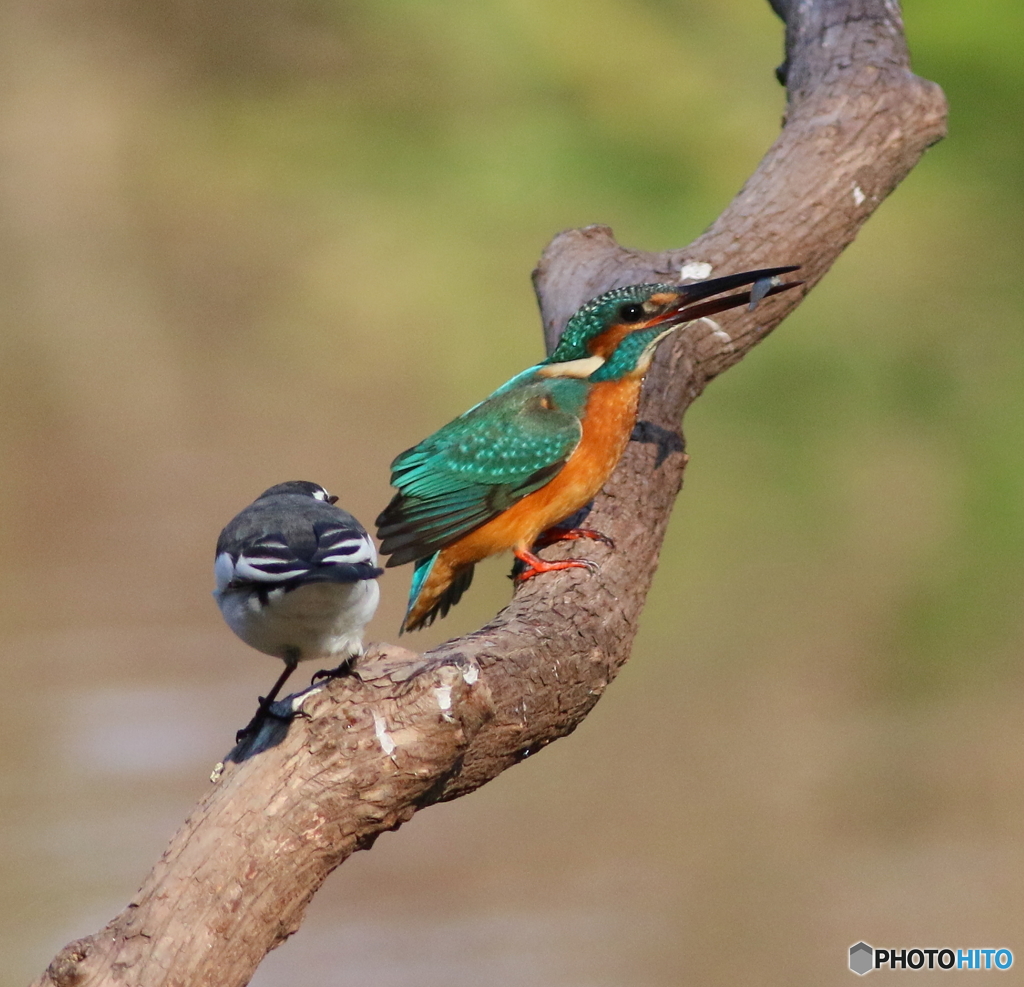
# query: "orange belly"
{"points": [[607, 425]]}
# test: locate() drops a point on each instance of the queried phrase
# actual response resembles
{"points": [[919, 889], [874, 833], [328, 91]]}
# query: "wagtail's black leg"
{"points": [[290, 664]]}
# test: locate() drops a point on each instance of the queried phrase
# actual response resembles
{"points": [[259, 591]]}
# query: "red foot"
{"points": [[536, 566], [557, 534]]}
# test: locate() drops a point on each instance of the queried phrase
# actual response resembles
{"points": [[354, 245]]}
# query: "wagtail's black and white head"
{"points": [[297, 578]]}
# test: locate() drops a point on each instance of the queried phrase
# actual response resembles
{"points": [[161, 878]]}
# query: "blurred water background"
{"points": [[260, 240]]}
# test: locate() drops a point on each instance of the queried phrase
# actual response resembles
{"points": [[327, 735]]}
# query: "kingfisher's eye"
{"points": [[631, 312]]}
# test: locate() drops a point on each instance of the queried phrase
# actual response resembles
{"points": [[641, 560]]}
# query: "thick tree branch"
{"points": [[409, 730]]}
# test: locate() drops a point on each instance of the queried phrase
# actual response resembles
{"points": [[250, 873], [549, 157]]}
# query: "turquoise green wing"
{"points": [[480, 464]]}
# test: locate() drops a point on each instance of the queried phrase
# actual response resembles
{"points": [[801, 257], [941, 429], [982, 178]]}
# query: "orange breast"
{"points": [[607, 426]]}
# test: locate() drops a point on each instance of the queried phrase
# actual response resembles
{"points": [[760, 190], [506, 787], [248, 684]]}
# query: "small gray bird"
{"points": [[296, 579]]}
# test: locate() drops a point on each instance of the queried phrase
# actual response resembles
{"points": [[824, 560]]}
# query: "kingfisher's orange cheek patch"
{"points": [[605, 344], [663, 299]]}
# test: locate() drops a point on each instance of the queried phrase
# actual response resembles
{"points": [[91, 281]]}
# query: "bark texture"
{"points": [[409, 730]]}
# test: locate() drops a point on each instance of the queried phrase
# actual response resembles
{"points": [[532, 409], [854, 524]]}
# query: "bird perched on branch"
{"points": [[297, 579], [541, 446]]}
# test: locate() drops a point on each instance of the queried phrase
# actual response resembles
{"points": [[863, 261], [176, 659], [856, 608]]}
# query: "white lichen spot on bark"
{"points": [[695, 270], [300, 698], [858, 195], [387, 743], [718, 332], [444, 700]]}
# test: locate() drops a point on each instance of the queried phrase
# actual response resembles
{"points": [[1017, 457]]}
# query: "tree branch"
{"points": [[409, 730]]}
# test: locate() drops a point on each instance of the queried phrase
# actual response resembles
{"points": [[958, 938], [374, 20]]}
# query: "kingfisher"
{"points": [[297, 579], [539, 449]]}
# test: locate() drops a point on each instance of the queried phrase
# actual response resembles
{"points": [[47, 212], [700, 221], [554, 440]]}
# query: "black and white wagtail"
{"points": [[296, 579]]}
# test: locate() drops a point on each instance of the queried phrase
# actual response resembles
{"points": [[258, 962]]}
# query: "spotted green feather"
{"points": [[481, 463]]}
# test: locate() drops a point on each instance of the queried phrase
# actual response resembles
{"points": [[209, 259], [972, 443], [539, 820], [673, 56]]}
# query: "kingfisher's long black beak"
{"points": [[704, 289], [765, 282]]}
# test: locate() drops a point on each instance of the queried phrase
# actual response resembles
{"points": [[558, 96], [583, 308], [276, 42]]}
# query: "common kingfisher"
{"points": [[541, 446], [297, 579]]}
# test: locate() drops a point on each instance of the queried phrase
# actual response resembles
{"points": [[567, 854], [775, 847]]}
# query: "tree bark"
{"points": [[409, 730]]}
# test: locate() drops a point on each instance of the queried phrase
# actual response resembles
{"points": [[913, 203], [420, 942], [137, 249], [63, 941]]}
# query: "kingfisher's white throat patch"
{"points": [[580, 369]]}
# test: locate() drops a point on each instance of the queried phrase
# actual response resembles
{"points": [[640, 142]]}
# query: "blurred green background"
{"points": [[244, 242]]}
